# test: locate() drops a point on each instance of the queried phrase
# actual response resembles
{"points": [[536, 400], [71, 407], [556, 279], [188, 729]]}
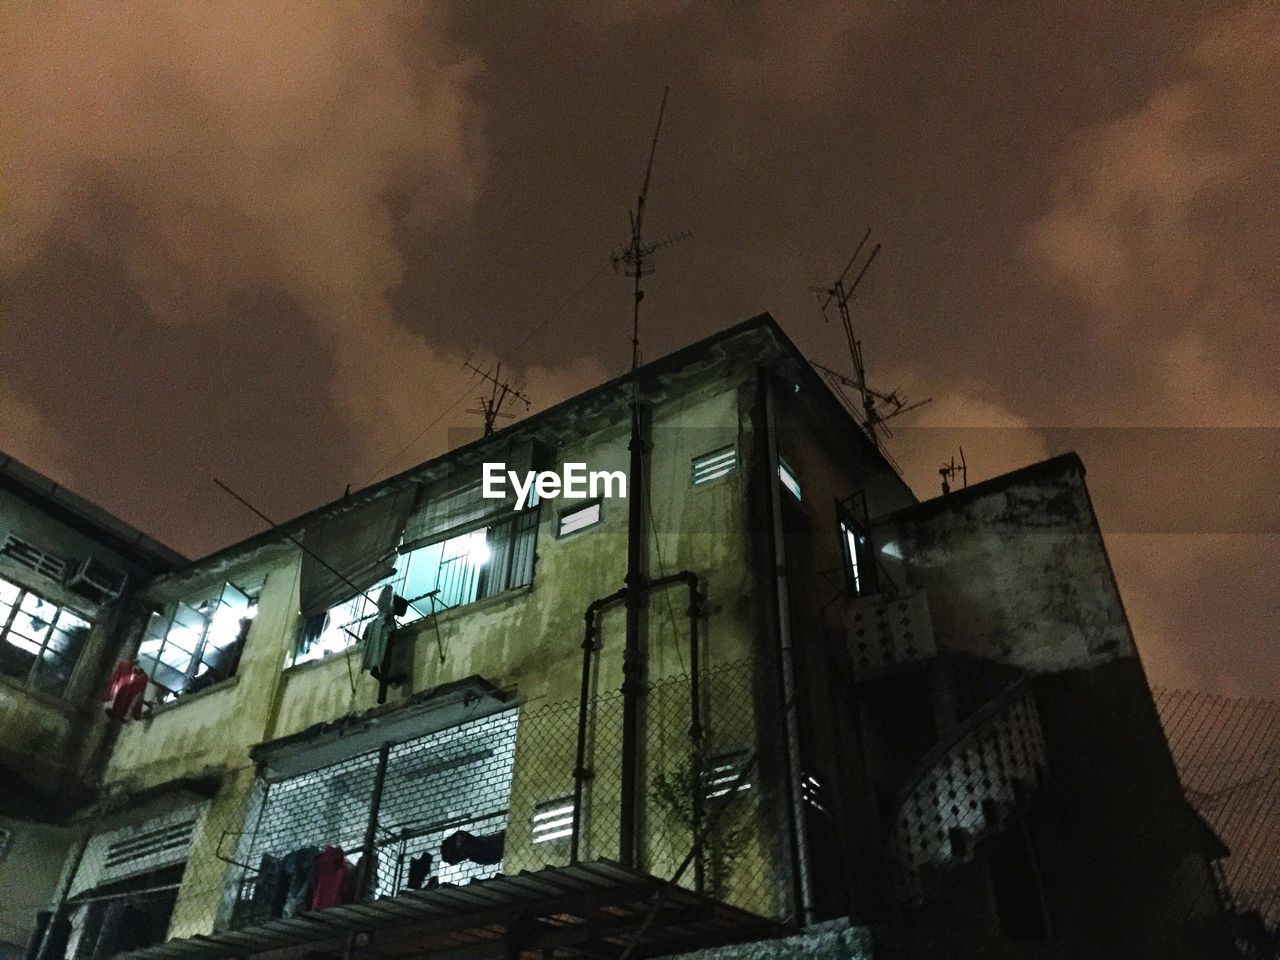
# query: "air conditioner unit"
{"points": [[97, 581]]}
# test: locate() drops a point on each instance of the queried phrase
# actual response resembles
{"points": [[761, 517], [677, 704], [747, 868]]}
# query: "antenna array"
{"points": [[499, 393]]}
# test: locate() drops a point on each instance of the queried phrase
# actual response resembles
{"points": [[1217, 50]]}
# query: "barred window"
{"points": [[453, 571], [40, 641], [197, 643]]}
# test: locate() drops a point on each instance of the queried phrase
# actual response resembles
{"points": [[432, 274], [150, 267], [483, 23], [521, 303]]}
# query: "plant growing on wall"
{"points": [[681, 794]]}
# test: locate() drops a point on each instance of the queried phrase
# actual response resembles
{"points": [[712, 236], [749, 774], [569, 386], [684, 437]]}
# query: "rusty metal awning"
{"points": [[599, 910]]}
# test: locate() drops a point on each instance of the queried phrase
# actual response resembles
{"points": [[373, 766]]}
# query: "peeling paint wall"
{"points": [[1018, 574]]}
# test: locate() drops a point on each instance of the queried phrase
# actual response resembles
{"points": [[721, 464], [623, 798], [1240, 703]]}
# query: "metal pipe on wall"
{"points": [[786, 652], [591, 631]]}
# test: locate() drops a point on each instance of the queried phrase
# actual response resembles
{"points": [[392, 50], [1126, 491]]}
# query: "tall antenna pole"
{"points": [[634, 257]]}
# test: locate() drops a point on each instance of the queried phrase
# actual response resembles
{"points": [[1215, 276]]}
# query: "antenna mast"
{"points": [[500, 391], [634, 258], [949, 471], [876, 406]]}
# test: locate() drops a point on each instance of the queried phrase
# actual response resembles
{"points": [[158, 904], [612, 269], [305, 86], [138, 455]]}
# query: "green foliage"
{"points": [[679, 793]]}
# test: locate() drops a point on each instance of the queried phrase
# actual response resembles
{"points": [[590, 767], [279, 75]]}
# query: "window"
{"points": [[39, 641], [553, 820], [788, 478], [857, 555], [714, 465], [725, 777], [198, 644], [451, 572], [579, 518]]}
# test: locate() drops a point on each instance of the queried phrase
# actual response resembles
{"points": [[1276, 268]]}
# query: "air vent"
{"points": [[33, 558], [713, 465], [725, 776], [97, 581], [553, 820], [160, 845]]}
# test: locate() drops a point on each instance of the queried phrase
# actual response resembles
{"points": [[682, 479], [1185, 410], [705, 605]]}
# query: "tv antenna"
{"points": [[499, 393], [876, 406], [634, 258], [949, 471]]}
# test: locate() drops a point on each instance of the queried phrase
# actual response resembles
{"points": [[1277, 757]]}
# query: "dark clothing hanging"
{"points": [[56, 939], [269, 889], [37, 935], [312, 627], [419, 871], [125, 927], [329, 879], [462, 846], [296, 871]]}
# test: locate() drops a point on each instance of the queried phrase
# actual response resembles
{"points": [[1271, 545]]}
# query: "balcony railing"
{"points": [[883, 632], [967, 788]]}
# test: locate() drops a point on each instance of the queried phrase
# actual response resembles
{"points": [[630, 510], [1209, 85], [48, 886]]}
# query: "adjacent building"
{"points": [[766, 697]]}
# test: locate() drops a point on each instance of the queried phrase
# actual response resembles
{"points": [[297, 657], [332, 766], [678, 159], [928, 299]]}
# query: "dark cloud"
{"points": [[257, 241]]}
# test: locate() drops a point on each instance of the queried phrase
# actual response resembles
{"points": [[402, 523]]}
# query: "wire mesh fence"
{"points": [[495, 794], [1227, 752]]}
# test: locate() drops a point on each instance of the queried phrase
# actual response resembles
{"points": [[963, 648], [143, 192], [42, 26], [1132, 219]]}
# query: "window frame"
{"points": [[578, 507], [859, 563], [716, 473], [787, 472], [27, 681], [196, 655]]}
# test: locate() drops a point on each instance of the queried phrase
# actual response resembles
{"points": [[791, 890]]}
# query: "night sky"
{"points": [[257, 241]]}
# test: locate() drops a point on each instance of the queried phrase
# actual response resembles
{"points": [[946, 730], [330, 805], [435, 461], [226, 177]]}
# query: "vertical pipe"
{"points": [[800, 833], [591, 630], [695, 733], [60, 908], [368, 860], [633, 656]]}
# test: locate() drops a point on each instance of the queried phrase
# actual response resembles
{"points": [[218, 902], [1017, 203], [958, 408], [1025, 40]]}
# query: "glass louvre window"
{"points": [[788, 478], [198, 644], [578, 518], [855, 552], [713, 465], [40, 642], [451, 572]]}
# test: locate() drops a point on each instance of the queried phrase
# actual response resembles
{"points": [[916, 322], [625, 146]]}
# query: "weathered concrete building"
{"points": [[766, 695], [67, 573]]}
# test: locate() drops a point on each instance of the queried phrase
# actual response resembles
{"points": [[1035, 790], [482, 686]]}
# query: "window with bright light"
{"points": [[40, 641], [713, 465], [856, 556], [579, 518], [197, 643], [788, 478], [450, 572]]}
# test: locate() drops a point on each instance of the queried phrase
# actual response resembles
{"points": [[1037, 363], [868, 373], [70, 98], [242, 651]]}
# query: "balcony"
{"points": [[967, 788]]}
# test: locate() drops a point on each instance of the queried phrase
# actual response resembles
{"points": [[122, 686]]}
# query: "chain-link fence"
{"points": [[1228, 756], [492, 795]]}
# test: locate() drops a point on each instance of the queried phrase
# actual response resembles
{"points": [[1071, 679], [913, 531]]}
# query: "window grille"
{"points": [[458, 779], [196, 645], [40, 642], [714, 465]]}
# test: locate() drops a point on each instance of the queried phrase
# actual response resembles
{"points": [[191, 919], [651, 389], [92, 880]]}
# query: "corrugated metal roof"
{"points": [[590, 909]]}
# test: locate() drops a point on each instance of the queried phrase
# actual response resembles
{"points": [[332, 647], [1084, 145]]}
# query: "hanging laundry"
{"points": [[378, 631], [462, 846], [269, 889], [125, 688], [295, 870], [419, 871], [329, 878]]}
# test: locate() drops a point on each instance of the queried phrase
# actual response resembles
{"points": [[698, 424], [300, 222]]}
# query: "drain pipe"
{"points": [[787, 657], [589, 646]]}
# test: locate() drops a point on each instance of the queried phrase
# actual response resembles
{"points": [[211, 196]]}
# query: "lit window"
{"points": [[788, 478], [724, 776], [451, 572], [198, 644], [857, 557], [553, 820], [39, 641], [714, 465], [578, 518]]}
